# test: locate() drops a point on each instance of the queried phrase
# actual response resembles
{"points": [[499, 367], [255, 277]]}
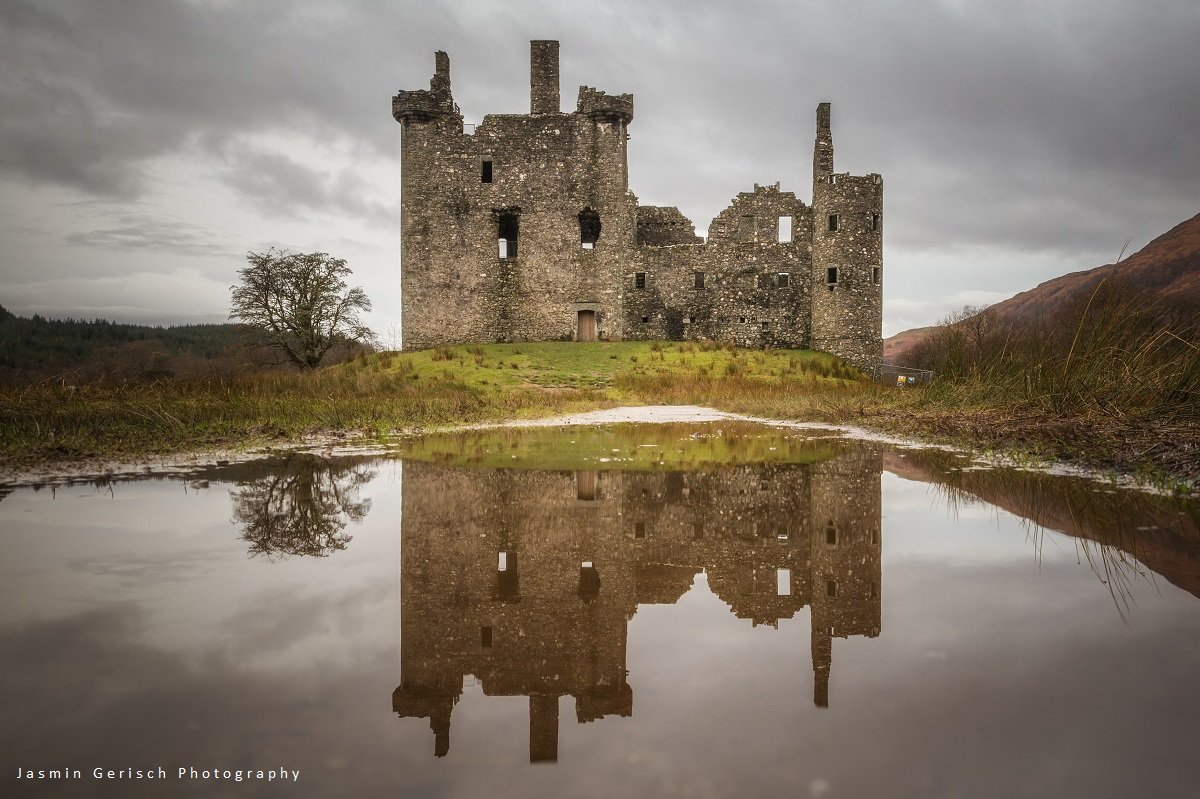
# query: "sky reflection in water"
{"points": [[820, 618]]}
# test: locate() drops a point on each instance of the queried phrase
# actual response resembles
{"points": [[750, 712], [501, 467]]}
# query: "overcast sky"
{"points": [[146, 145]]}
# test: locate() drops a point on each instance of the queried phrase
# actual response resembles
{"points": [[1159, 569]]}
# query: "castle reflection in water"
{"points": [[528, 579]]}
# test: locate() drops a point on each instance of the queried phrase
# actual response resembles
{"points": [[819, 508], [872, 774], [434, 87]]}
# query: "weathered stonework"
{"points": [[525, 230]]}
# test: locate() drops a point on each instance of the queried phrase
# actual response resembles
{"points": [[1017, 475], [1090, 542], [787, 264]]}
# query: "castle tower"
{"points": [[518, 229], [847, 257]]}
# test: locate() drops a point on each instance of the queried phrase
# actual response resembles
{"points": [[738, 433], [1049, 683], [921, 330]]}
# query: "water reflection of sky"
{"points": [[137, 630]]}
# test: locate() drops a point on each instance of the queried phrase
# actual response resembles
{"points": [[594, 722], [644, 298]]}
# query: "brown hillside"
{"points": [[1167, 269]]}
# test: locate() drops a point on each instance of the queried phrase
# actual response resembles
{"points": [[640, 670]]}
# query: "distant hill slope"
{"points": [[38, 345], [1168, 269]]}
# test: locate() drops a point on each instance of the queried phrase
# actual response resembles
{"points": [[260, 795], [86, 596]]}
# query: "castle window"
{"points": [[784, 280], [485, 637], [689, 319], [507, 227], [876, 274], [831, 276], [698, 280], [766, 325], [831, 535], [833, 223], [639, 530], [785, 230], [764, 281], [589, 228], [832, 180], [742, 319], [639, 280], [697, 531], [746, 228], [831, 591], [875, 222], [783, 582], [645, 319], [485, 171]]}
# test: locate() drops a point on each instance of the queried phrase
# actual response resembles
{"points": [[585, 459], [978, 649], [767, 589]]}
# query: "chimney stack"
{"points": [[543, 77]]}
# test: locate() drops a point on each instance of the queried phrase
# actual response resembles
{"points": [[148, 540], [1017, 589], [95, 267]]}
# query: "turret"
{"points": [[847, 257], [421, 105]]}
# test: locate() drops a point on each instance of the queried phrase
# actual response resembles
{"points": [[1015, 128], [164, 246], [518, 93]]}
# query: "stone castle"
{"points": [[525, 229], [528, 580]]}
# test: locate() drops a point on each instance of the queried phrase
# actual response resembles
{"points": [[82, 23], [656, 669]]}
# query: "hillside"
{"points": [[37, 346], [1166, 270]]}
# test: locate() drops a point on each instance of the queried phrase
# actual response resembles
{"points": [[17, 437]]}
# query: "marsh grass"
{"points": [[1110, 391], [377, 395], [1112, 378]]}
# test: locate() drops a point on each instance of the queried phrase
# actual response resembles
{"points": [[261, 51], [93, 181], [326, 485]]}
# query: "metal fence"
{"points": [[901, 375]]}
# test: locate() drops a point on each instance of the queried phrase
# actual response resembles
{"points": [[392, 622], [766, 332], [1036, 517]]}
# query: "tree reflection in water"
{"points": [[301, 506]]}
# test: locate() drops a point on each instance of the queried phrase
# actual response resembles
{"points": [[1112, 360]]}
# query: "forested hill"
{"points": [[41, 346]]}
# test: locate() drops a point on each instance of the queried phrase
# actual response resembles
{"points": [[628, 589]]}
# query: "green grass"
{"points": [[601, 365], [384, 394]]}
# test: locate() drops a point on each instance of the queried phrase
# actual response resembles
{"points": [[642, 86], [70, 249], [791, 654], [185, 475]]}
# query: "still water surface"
{"points": [[704, 610]]}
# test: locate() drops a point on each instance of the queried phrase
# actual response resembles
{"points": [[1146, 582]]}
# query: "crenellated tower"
{"points": [[847, 257], [514, 230]]}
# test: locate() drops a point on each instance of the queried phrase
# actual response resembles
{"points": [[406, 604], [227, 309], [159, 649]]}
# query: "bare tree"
{"points": [[299, 303]]}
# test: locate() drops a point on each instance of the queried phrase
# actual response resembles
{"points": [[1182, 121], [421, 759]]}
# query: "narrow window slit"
{"points": [[507, 229], [589, 228]]}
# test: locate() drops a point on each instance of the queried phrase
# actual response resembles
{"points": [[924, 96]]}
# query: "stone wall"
{"points": [[532, 180], [659, 226]]}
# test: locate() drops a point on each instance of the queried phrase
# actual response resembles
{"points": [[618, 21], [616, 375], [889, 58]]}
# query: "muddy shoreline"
{"points": [[49, 471]]}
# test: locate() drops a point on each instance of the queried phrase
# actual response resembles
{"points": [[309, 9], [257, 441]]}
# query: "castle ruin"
{"points": [[525, 229]]}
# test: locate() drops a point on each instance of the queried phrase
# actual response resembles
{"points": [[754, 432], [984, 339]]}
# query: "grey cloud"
{"points": [[141, 232], [281, 186], [98, 90], [1025, 129]]}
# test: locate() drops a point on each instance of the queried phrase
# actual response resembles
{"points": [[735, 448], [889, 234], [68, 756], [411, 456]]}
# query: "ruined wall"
{"points": [[743, 285], [548, 182], [659, 226]]}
